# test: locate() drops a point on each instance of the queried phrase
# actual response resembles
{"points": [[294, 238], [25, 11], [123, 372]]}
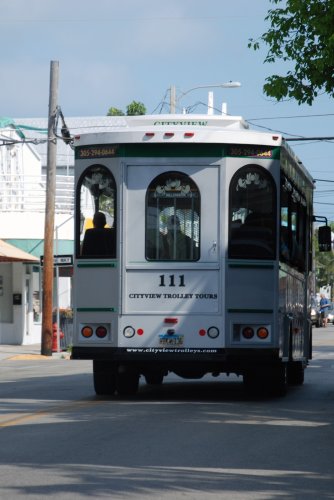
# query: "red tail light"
{"points": [[248, 332], [101, 332]]}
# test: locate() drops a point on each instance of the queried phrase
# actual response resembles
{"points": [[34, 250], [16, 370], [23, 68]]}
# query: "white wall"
{"points": [[25, 225], [16, 321], [6, 293], [11, 316]]}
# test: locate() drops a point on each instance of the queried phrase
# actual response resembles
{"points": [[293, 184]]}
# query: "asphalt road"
{"points": [[183, 440]]}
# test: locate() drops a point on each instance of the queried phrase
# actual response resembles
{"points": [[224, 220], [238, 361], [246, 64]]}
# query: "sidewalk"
{"points": [[26, 352]]}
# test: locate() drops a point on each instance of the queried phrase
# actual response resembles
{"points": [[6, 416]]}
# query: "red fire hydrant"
{"points": [[55, 337]]}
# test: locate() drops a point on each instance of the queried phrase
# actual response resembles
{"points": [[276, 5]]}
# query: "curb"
{"points": [[32, 357]]}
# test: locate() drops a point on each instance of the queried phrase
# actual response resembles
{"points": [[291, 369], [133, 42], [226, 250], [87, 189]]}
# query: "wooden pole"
{"points": [[47, 302], [172, 102]]}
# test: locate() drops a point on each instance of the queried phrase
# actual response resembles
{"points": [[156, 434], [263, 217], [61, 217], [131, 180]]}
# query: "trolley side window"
{"points": [[293, 225], [96, 214], [172, 218], [252, 214]]}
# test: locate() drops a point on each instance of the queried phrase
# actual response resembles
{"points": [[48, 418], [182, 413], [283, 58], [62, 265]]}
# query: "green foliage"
{"points": [[115, 112], [301, 33], [324, 264], [135, 108], [132, 109]]}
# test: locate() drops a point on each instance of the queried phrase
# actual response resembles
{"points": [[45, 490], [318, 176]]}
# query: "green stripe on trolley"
{"points": [[96, 309], [265, 311], [158, 150], [95, 264], [250, 265]]}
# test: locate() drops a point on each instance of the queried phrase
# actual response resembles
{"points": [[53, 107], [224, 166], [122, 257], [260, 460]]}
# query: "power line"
{"points": [[8, 142], [290, 117], [330, 138], [295, 136]]}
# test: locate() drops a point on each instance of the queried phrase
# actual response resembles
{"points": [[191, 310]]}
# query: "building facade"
{"points": [[22, 219], [23, 167]]}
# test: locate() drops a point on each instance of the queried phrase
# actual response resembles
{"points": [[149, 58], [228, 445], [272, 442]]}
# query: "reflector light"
{"points": [[170, 321], [189, 134], [140, 331], [202, 332], [248, 332], [275, 137], [87, 331], [101, 332], [149, 134], [128, 332], [262, 332], [213, 332], [169, 134]]}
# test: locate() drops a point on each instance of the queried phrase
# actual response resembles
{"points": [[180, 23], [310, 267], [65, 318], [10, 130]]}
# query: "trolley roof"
{"points": [[178, 129], [182, 128]]}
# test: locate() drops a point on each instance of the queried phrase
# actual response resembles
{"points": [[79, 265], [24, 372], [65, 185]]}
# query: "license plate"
{"points": [[171, 341]]}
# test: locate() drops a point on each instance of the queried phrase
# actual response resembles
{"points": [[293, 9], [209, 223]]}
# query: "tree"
{"points": [[115, 112], [135, 108], [132, 109], [302, 34], [324, 263]]}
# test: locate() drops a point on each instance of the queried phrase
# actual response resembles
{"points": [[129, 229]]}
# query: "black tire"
{"points": [[254, 382], [154, 378], [104, 376], [267, 381], [279, 380], [295, 373], [127, 382]]}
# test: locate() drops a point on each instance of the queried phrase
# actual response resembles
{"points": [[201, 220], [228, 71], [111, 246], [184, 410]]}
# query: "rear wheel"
{"points": [[154, 378], [104, 376], [295, 373], [279, 380], [267, 381], [127, 381]]}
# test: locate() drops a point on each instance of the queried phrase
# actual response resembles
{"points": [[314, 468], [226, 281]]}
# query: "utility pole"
{"points": [[172, 102], [50, 214]]}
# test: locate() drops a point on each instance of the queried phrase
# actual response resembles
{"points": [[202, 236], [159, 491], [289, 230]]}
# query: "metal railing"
{"points": [[26, 193]]}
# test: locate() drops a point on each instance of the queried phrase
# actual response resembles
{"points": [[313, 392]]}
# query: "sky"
{"points": [[111, 52]]}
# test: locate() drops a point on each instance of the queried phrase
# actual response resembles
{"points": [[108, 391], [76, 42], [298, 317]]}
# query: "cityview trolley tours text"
{"points": [[193, 253]]}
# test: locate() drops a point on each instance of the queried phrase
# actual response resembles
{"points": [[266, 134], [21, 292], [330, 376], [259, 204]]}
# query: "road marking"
{"points": [[26, 417]]}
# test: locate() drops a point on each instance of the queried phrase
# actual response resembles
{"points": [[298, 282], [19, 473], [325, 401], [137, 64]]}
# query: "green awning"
{"points": [[36, 247]]}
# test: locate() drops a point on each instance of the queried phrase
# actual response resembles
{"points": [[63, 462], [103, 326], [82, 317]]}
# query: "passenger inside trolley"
{"points": [[176, 244], [99, 240]]}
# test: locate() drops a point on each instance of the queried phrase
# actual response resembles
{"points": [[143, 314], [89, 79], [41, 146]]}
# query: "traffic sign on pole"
{"points": [[59, 260]]}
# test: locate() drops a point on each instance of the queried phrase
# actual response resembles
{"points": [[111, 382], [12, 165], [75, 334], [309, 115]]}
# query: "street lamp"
{"points": [[174, 99]]}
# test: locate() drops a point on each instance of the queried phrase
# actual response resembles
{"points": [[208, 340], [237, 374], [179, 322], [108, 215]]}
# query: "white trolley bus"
{"points": [[192, 253]]}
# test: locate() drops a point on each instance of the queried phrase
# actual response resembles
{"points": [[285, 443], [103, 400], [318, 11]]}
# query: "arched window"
{"points": [[252, 214], [172, 218], [96, 214]]}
